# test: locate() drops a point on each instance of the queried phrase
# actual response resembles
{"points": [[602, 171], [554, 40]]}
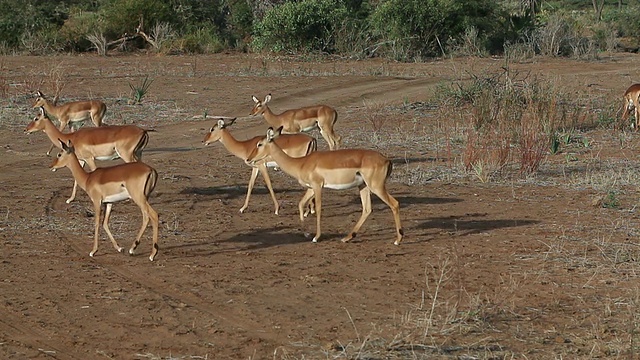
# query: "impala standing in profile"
{"points": [[109, 185], [367, 170], [303, 119], [73, 113], [99, 143], [631, 104], [295, 145]]}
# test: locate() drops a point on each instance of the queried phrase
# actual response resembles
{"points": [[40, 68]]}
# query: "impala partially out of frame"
{"points": [[73, 113], [304, 119], [96, 143], [295, 145], [367, 170], [631, 99], [109, 185]]}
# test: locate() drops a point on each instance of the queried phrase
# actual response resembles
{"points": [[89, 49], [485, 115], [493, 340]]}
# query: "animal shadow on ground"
{"points": [[255, 240], [469, 225], [231, 192]]}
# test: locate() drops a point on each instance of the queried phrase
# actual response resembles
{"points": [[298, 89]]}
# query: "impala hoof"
{"points": [[68, 201], [151, 258], [119, 249], [132, 252], [92, 253]]}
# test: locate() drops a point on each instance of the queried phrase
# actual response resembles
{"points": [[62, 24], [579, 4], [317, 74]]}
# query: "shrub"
{"points": [[77, 29], [410, 28], [294, 27], [122, 16], [203, 40]]}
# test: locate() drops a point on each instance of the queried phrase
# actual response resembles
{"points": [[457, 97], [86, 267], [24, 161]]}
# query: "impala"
{"points": [[367, 170], [99, 143], [631, 103], [304, 119], [295, 145], [76, 112], [109, 185]]}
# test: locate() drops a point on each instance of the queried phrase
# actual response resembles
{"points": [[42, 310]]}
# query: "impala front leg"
{"points": [[105, 226], [302, 205], [365, 198], [252, 181], [92, 166], [97, 207]]}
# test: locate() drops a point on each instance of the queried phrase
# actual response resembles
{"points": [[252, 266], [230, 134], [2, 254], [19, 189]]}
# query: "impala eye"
{"points": [[59, 154]]}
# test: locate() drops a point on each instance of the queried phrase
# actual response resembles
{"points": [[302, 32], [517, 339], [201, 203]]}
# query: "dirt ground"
{"points": [[527, 269]]}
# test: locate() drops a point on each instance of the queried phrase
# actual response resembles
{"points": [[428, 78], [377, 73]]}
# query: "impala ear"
{"points": [[270, 134], [231, 122], [255, 99], [221, 123], [267, 98], [42, 111], [279, 131], [63, 145], [39, 94]]}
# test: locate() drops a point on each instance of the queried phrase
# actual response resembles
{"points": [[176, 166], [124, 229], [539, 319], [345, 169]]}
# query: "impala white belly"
{"points": [[309, 128], [113, 156], [357, 180], [122, 195]]}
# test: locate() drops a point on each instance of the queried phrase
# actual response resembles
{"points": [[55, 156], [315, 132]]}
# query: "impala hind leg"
{"points": [[147, 214], [330, 137], [105, 225], [384, 195], [365, 198]]}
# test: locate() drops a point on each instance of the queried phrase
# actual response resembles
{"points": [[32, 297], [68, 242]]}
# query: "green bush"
{"points": [[203, 40], [302, 26], [77, 27], [123, 16], [410, 28]]}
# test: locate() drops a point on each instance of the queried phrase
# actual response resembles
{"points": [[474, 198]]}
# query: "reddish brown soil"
{"points": [[531, 269]]}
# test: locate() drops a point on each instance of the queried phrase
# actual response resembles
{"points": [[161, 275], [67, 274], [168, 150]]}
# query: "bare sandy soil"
{"points": [[524, 269]]}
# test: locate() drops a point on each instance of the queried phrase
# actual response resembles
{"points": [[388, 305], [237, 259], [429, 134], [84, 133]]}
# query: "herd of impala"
{"points": [[285, 145]]}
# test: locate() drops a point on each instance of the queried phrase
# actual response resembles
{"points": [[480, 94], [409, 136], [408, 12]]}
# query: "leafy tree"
{"points": [[306, 25]]}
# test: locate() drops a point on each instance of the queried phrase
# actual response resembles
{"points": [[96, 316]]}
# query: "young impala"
{"points": [[631, 104], [301, 120], [295, 145], [75, 113], [367, 170], [99, 143], [109, 185]]}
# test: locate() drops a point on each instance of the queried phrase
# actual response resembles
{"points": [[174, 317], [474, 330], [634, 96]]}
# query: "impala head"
{"points": [[64, 156], [259, 106], [262, 149], [216, 131], [37, 123], [40, 100]]}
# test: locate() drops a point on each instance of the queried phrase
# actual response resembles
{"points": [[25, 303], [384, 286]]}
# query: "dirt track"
{"points": [[230, 285]]}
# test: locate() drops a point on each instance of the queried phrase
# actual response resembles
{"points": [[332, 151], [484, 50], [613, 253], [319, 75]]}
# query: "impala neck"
{"points": [[49, 107], [77, 171], [271, 118], [287, 163], [232, 145], [54, 133]]}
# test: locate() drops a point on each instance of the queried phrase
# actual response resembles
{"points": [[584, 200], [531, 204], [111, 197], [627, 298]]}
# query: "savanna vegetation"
{"points": [[404, 30]]}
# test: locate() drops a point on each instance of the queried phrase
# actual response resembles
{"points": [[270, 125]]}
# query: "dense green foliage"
{"points": [[406, 30]]}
